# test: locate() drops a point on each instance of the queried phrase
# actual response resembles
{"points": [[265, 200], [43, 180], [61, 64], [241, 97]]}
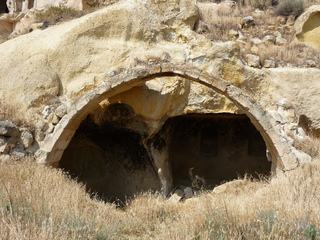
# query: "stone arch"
{"points": [[117, 81]]}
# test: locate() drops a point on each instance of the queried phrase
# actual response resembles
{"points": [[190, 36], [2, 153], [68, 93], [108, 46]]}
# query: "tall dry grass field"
{"points": [[37, 202]]}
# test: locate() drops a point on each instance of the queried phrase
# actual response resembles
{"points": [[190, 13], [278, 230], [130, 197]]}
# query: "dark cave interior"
{"points": [[204, 149]]}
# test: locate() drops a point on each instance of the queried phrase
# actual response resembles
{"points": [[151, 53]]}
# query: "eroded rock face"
{"points": [[146, 54], [307, 27]]}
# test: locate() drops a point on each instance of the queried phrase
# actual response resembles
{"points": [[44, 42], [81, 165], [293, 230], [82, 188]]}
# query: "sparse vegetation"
{"points": [[37, 202], [290, 8], [226, 24], [57, 14], [8, 112]]}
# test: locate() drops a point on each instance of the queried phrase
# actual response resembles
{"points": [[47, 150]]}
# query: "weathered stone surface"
{"points": [[4, 147], [177, 196], [8, 129], [256, 41], [248, 21], [269, 39], [120, 54], [307, 27], [17, 152], [269, 63], [253, 60], [280, 41], [26, 138]]}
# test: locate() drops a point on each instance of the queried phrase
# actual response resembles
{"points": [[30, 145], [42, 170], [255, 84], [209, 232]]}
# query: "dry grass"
{"points": [[14, 114], [222, 21], [42, 203]]}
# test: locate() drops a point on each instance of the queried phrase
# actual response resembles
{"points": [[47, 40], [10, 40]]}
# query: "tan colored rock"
{"points": [[26, 138], [23, 26], [307, 27], [233, 33], [281, 20], [255, 50], [256, 41], [253, 60], [311, 63], [291, 20], [269, 39], [269, 63], [280, 41]]}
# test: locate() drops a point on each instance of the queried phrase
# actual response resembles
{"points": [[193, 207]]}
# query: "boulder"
{"points": [[311, 63], [269, 39], [8, 129], [248, 21], [177, 196], [256, 41], [280, 41], [61, 111], [253, 60], [26, 138], [307, 27], [269, 63]]}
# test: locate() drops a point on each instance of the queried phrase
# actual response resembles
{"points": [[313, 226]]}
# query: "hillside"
{"points": [[159, 119]]}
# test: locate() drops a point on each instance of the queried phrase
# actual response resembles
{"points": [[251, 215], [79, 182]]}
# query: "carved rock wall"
{"points": [[146, 54]]}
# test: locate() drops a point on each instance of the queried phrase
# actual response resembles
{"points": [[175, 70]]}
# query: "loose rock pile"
{"points": [[14, 141]]}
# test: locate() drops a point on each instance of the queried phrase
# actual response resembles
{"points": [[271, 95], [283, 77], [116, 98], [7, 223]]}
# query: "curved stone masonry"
{"points": [[123, 79]]}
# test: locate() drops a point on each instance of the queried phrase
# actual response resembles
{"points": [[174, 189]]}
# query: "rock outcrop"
{"points": [[307, 27], [144, 58]]}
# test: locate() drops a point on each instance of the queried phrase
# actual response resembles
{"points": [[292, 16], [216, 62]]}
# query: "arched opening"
{"points": [[107, 152], [108, 157], [53, 149], [208, 149]]}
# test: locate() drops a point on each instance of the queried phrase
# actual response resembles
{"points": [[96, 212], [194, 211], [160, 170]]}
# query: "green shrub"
{"points": [[290, 7]]}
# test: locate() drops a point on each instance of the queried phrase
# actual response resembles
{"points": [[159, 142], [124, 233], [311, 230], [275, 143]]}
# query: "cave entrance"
{"points": [[3, 7], [108, 157], [214, 148]]}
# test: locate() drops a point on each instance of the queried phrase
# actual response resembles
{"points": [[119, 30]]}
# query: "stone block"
{"points": [[289, 161], [61, 111], [177, 196], [154, 69], [253, 61], [26, 138], [166, 67], [265, 122], [180, 69], [193, 73]]}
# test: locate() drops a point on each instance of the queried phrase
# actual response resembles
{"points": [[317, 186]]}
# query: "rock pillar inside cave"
{"points": [[114, 155]]}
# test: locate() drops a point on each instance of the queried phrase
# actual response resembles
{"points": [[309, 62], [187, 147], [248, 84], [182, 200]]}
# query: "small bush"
{"points": [[290, 8], [263, 4], [57, 14]]}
